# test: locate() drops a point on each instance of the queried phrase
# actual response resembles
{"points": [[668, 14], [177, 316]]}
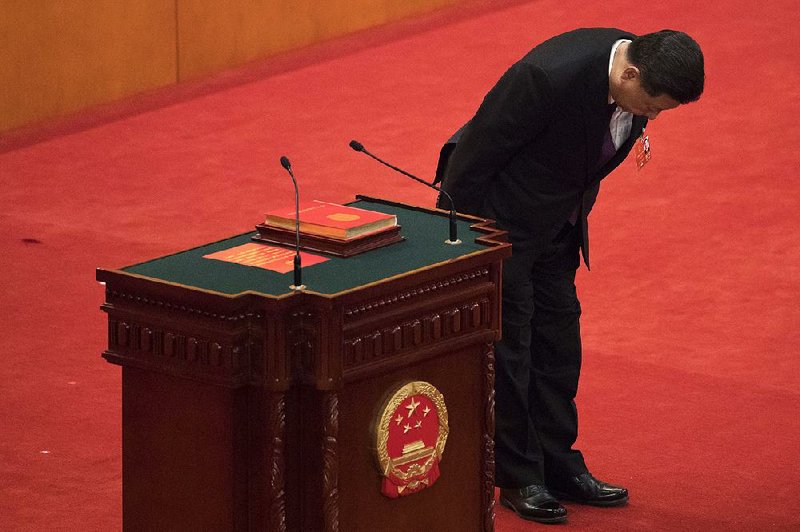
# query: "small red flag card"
{"points": [[271, 258], [641, 149]]}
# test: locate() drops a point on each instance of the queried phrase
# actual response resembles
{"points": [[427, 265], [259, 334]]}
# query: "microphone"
{"points": [[453, 240], [298, 281]]}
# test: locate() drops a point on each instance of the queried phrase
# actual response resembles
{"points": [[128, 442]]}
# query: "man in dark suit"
{"points": [[532, 158]]}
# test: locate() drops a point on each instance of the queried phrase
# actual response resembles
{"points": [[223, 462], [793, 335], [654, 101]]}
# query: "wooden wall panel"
{"points": [[58, 56], [217, 35]]}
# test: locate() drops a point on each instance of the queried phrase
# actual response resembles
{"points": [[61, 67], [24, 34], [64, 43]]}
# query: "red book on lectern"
{"points": [[331, 220]]}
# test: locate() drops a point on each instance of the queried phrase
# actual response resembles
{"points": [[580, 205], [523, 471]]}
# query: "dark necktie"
{"points": [[606, 154], [609, 150]]}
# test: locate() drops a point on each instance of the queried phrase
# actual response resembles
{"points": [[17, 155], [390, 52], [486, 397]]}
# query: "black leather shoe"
{"points": [[585, 489], [534, 503]]}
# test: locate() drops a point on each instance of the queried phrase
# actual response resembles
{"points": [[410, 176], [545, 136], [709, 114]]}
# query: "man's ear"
{"points": [[630, 73]]}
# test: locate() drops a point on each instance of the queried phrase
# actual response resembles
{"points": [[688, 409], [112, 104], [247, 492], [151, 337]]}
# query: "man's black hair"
{"points": [[670, 62]]}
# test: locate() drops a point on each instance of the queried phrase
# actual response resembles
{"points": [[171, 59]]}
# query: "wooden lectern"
{"points": [[249, 406]]}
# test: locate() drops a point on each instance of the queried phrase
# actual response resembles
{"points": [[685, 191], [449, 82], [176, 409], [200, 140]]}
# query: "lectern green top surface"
{"points": [[424, 233]]}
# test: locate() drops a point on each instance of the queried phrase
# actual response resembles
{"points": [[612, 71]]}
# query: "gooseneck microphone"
{"points": [[453, 240], [298, 280]]}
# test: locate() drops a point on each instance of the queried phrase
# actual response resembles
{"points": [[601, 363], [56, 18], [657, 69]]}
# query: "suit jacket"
{"points": [[529, 156]]}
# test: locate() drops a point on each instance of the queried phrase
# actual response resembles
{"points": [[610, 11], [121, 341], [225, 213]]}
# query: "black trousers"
{"points": [[538, 365]]}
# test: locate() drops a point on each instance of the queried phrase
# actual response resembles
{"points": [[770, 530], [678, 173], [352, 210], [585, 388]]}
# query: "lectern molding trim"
{"points": [[406, 295], [379, 366], [488, 437], [277, 481], [330, 473]]}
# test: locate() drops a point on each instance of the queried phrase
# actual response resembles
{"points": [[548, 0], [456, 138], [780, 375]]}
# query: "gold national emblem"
{"points": [[410, 437]]}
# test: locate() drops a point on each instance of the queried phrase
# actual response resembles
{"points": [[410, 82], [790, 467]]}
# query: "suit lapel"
{"points": [[595, 103]]}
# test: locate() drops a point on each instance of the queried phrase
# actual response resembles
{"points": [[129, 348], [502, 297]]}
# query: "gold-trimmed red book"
{"points": [[331, 220]]}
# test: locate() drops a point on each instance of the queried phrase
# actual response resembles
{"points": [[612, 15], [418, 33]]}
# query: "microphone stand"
{"points": [[298, 281], [453, 240]]}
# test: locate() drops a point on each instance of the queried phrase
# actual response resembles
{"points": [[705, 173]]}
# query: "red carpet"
{"points": [[691, 388]]}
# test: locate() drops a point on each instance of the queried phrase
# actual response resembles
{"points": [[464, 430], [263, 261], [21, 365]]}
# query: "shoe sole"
{"points": [[603, 504], [544, 520]]}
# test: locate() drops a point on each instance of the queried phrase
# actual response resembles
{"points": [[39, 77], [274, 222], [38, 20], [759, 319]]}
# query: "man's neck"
{"points": [[618, 64]]}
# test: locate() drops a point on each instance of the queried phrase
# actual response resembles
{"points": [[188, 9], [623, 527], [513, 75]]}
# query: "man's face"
{"points": [[632, 97]]}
